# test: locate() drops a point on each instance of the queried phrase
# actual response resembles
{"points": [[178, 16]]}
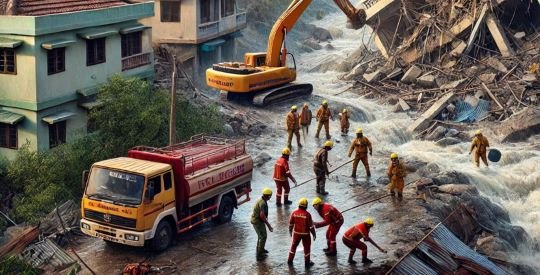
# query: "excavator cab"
{"points": [[255, 59]]}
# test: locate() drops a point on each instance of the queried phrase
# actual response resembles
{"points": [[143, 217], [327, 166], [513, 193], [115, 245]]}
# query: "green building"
{"points": [[54, 55]]}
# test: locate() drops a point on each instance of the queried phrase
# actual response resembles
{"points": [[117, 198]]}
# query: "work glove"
{"points": [[270, 228], [371, 153]]}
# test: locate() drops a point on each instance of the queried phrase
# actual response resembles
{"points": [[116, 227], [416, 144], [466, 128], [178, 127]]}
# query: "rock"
{"points": [[313, 44], [520, 126], [228, 130], [383, 180], [453, 84], [426, 81], [261, 159], [329, 47], [520, 35], [496, 64], [487, 78], [335, 32], [436, 134], [394, 73], [447, 141], [493, 246], [372, 77], [397, 108], [356, 72], [451, 132], [411, 74], [321, 34], [404, 106], [458, 50], [456, 189], [529, 77]]}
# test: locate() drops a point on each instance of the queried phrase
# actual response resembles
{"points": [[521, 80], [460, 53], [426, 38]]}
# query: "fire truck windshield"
{"points": [[115, 186]]}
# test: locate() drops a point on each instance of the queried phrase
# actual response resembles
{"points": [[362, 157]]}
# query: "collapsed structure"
{"points": [[486, 52]]}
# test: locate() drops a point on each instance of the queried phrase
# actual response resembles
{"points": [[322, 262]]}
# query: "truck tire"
{"points": [[163, 237], [226, 209]]}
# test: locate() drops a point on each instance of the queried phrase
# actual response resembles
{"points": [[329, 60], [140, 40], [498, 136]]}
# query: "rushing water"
{"points": [[514, 182]]}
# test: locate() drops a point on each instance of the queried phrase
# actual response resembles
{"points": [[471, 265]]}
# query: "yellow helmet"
{"points": [[329, 143], [344, 110], [325, 102], [359, 130], [286, 151], [267, 191], [294, 108], [478, 132], [394, 156], [369, 220], [302, 202], [316, 201]]}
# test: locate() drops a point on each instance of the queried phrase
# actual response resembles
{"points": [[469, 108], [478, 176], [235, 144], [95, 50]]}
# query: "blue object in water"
{"points": [[494, 155]]}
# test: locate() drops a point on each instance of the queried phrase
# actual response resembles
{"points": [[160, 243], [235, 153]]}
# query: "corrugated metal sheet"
{"points": [[46, 252], [442, 252], [468, 113]]}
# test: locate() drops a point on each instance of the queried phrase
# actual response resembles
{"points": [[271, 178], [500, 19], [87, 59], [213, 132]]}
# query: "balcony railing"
{"points": [[240, 18], [207, 29], [135, 61]]}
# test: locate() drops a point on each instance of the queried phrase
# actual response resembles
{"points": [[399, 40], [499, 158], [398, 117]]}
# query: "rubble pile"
{"points": [[465, 60]]}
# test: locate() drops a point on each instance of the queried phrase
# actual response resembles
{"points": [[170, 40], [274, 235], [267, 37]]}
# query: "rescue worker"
{"points": [[481, 144], [300, 225], [282, 174], [259, 219], [361, 145], [305, 120], [352, 237], [320, 166], [344, 122], [324, 114], [333, 218], [396, 173], [293, 127]]}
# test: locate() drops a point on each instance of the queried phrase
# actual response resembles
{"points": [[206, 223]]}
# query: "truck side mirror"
{"points": [[150, 191], [84, 179]]}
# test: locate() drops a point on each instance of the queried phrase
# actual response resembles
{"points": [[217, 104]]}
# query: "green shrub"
{"points": [[14, 265]]}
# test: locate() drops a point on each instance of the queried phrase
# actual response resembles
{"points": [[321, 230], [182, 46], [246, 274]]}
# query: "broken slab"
{"points": [[404, 106], [394, 73], [411, 74], [453, 84], [476, 28], [520, 126], [487, 78], [372, 77], [424, 120], [427, 81], [496, 64], [498, 34], [458, 50]]}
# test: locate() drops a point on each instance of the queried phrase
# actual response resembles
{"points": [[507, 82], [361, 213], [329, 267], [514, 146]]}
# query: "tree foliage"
{"points": [[133, 113]]}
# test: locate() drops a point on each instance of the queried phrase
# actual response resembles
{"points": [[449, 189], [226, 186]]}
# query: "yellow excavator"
{"points": [[265, 77]]}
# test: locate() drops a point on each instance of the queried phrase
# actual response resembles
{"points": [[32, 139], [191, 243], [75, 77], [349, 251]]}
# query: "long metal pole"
{"points": [[172, 119]]}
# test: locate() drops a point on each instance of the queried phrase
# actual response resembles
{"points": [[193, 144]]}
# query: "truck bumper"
{"points": [[112, 234]]}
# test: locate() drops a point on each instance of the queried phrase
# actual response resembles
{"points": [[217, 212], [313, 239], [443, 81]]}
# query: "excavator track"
{"points": [[281, 93]]}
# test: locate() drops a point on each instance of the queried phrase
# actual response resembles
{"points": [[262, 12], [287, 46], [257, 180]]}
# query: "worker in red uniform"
{"points": [[282, 174], [300, 225], [333, 218], [352, 237]]}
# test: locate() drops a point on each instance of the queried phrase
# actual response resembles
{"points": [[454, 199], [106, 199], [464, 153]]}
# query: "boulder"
{"points": [[427, 81], [228, 130], [356, 72], [411, 74], [383, 180], [520, 126], [493, 246], [329, 47], [335, 32], [321, 34], [313, 44], [456, 189], [261, 159], [448, 141], [372, 77], [436, 134]]}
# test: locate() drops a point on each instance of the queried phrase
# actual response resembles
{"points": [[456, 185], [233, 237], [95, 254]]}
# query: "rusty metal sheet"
{"points": [[413, 265], [47, 252]]}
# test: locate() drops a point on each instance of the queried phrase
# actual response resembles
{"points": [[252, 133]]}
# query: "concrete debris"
{"points": [[460, 46], [46, 252], [404, 106], [423, 121]]}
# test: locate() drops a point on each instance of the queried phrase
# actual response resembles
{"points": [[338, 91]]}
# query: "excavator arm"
{"points": [[276, 51]]}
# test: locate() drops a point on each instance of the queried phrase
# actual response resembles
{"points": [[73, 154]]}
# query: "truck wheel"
{"points": [[163, 237], [226, 208]]}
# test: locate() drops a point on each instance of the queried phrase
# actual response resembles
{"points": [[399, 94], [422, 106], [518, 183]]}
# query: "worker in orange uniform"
{"points": [[300, 225], [352, 237], [293, 127], [305, 120], [396, 173], [344, 122], [361, 145], [324, 114], [481, 144], [333, 218], [259, 219], [282, 174], [320, 166]]}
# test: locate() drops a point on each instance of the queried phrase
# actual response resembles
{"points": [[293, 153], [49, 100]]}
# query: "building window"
{"points": [[170, 11], [95, 51], [57, 134], [227, 7], [7, 61], [56, 61], [209, 11], [8, 136], [131, 44]]}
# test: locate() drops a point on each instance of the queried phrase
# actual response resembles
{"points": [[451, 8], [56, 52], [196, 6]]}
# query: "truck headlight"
{"points": [[85, 226], [131, 237]]}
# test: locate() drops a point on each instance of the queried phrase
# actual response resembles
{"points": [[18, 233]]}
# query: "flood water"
{"points": [[230, 248]]}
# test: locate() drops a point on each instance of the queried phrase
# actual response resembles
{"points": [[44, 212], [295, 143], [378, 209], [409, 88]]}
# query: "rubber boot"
{"points": [[351, 254], [365, 260], [286, 200], [323, 192], [392, 193], [309, 264]]}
